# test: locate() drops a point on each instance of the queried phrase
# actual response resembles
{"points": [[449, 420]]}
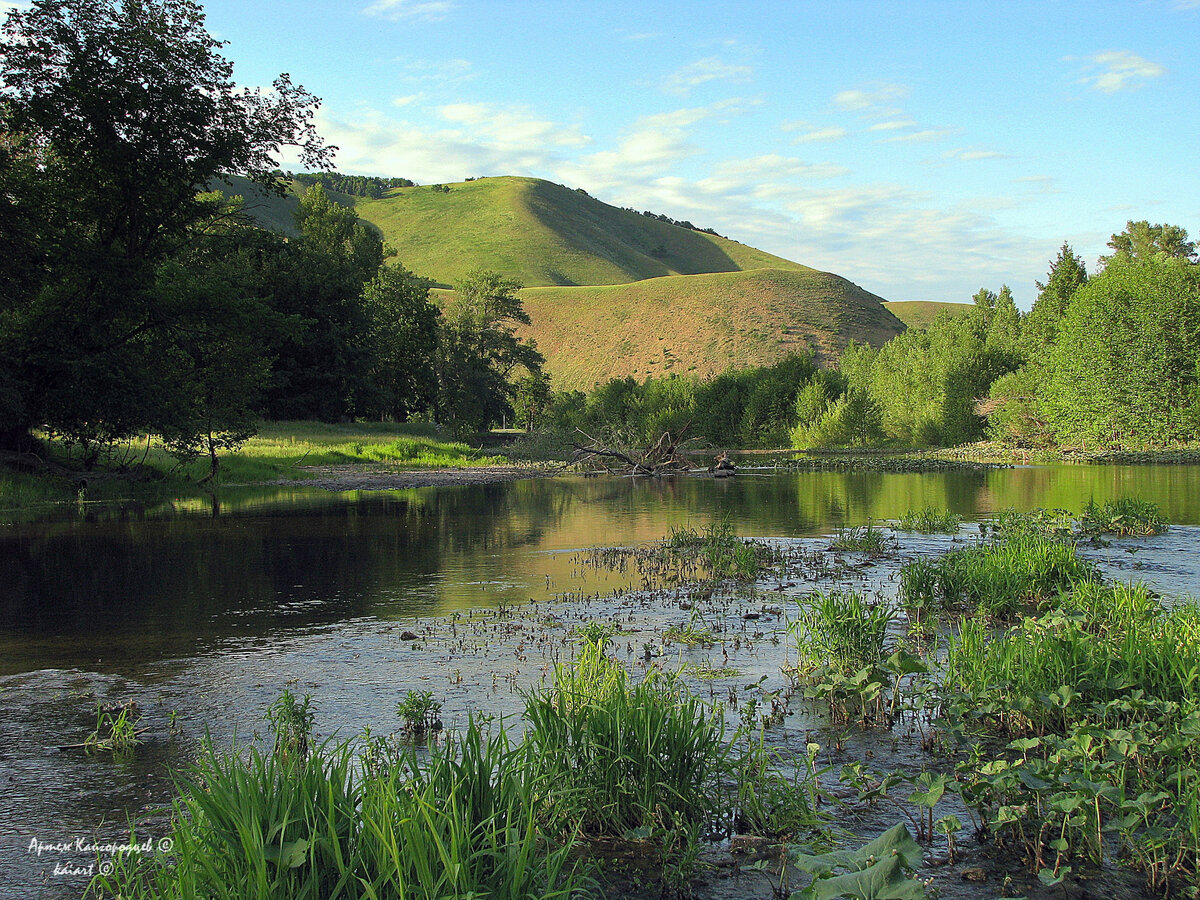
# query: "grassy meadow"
{"points": [[280, 450]]}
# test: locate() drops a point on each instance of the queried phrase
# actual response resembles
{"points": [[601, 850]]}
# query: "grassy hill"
{"points": [[698, 324], [920, 313], [544, 234], [612, 292]]}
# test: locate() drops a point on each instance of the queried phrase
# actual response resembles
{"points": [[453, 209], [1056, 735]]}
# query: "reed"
{"points": [[1000, 579]]}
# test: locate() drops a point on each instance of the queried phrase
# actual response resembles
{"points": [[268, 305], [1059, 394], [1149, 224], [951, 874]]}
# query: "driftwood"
{"points": [[665, 456]]}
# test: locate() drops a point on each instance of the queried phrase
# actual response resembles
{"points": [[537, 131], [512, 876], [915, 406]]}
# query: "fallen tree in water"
{"points": [[668, 455], [664, 456]]}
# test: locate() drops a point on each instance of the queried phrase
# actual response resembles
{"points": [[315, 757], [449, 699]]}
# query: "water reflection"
{"points": [[211, 607]]}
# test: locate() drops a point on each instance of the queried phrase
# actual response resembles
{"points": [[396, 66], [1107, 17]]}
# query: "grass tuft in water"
{"points": [[863, 539], [930, 521]]}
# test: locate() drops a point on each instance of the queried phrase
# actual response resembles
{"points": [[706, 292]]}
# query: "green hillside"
{"points": [[920, 313], [698, 324], [612, 292], [544, 234]]}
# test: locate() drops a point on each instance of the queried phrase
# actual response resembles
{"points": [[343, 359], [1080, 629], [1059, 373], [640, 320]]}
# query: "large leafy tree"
{"points": [[404, 338], [114, 116], [322, 367], [480, 351], [1126, 364]]}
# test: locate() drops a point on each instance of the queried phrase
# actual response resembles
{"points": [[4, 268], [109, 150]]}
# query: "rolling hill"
{"points": [[698, 324], [612, 292], [544, 234], [920, 313]]}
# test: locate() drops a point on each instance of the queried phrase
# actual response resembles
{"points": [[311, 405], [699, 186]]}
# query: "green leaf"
{"points": [[289, 855], [885, 880]]}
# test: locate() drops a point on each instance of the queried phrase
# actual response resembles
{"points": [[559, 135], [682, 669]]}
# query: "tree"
{"points": [[323, 367], [1067, 275], [128, 112], [404, 337], [1141, 240], [1125, 368], [480, 350]]}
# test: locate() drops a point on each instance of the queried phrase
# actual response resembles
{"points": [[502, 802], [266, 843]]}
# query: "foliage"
{"points": [[404, 338], [1125, 367], [878, 871], [457, 823], [997, 579], [863, 539], [1123, 516], [354, 185], [479, 351], [1143, 241], [84, 338], [622, 755], [421, 714]]}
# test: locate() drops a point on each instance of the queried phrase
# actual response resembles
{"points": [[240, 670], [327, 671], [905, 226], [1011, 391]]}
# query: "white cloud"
{"points": [[971, 154], [817, 135], [875, 102], [407, 100], [683, 80], [924, 136], [1119, 70], [512, 128], [893, 125], [1042, 184], [437, 72], [416, 10]]}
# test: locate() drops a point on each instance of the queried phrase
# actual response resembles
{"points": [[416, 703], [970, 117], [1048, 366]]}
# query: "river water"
{"points": [[205, 611]]}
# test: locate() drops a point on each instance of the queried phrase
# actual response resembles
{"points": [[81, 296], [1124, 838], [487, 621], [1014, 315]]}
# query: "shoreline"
{"points": [[372, 477]]}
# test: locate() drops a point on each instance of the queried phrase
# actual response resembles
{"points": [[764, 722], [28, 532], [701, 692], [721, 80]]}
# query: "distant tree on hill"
{"points": [[354, 185]]}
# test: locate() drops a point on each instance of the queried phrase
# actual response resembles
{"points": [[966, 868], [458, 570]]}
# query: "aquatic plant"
{"points": [[421, 714], [998, 579], [880, 870], [863, 539], [1126, 516], [457, 823], [930, 520], [842, 630], [618, 755], [291, 721], [115, 731]]}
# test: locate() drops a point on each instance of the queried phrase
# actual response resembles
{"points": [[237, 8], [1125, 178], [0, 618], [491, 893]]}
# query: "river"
{"points": [[205, 611]]}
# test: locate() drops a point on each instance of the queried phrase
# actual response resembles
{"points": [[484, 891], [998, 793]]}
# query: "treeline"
{"points": [[135, 303], [354, 185], [682, 223], [1110, 359], [753, 407]]}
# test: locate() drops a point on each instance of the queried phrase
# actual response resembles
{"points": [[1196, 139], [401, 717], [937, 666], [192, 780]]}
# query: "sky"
{"points": [[921, 149]]}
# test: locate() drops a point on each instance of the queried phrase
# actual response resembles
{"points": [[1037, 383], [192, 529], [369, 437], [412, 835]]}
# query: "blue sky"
{"points": [[921, 149]]}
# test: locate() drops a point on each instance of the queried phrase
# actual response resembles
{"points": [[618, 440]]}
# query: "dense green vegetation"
{"points": [[1111, 360], [143, 303]]}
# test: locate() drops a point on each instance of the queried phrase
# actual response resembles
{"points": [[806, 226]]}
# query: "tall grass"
{"points": [[458, 823], [930, 521], [621, 755], [841, 630], [1000, 579]]}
